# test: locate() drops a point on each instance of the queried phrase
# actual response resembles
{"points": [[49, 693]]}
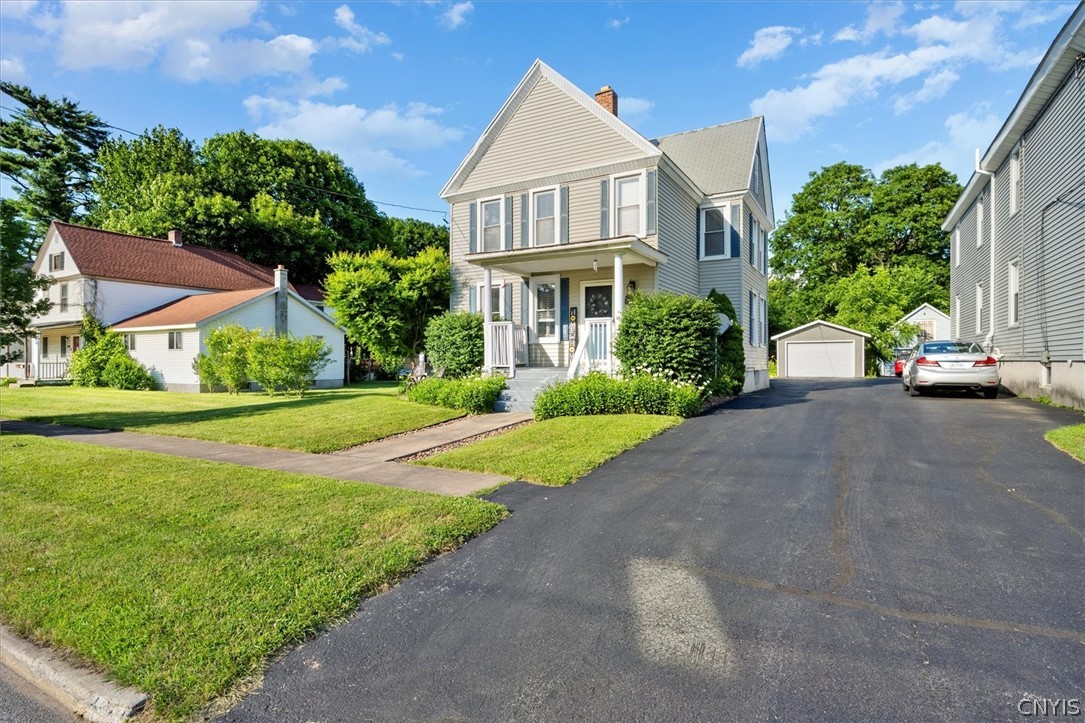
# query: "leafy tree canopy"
{"points": [[48, 150], [271, 201], [384, 301], [19, 285], [409, 235]]}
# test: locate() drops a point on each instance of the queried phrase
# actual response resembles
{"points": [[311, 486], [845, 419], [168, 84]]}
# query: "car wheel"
{"points": [[990, 393], [905, 385], [914, 391]]}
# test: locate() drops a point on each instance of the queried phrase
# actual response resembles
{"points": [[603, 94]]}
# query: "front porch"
{"points": [[571, 298]]}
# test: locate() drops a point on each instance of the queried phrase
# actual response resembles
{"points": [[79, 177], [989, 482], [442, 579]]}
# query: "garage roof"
{"points": [[817, 322]]}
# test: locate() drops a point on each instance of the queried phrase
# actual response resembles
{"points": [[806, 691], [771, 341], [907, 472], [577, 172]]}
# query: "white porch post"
{"points": [[487, 318], [619, 287]]}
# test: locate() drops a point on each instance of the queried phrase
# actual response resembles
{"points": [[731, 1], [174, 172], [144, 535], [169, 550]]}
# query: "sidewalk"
{"points": [[371, 462]]}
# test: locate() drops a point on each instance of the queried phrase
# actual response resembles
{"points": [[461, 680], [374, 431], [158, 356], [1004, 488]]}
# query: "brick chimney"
{"points": [[174, 238], [281, 286], [607, 98]]}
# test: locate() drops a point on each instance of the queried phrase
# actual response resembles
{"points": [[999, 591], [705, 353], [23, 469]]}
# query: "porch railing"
{"points": [[595, 350], [49, 370], [505, 346]]}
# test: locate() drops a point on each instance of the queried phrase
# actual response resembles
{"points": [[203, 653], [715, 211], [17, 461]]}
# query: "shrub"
{"points": [[89, 363], [670, 333], [7, 381], [477, 395], [597, 393], [226, 362], [124, 372], [731, 353], [286, 362], [455, 342]]}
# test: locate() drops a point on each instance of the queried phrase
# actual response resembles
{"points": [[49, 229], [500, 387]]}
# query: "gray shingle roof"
{"points": [[718, 159]]}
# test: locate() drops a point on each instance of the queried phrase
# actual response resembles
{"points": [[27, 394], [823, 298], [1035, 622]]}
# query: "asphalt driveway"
{"points": [[823, 550]]}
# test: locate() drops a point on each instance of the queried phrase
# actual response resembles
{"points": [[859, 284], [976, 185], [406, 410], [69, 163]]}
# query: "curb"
{"points": [[84, 692]]}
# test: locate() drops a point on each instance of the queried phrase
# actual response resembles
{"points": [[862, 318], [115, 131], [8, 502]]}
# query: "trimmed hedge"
{"points": [[454, 342], [668, 332], [124, 372], [477, 395], [597, 393]]}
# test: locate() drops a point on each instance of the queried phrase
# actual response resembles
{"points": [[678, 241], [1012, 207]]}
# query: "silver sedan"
{"points": [[951, 365]]}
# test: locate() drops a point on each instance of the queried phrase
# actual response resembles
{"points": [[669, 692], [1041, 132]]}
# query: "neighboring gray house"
{"points": [[821, 349], [562, 209], [1018, 233]]}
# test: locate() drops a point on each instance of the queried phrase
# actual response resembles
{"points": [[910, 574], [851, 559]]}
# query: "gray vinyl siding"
{"points": [[550, 133], [677, 237], [584, 210], [974, 268], [752, 280], [1053, 165], [1007, 247]]}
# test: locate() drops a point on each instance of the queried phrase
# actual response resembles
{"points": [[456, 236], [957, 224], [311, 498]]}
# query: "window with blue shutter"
{"points": [[736, 238], [564, 309]]}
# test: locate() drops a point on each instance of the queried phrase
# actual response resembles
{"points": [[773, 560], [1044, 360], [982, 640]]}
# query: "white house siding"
{"points": [[677, 237], [74, 312], [171, 368], [303, 321], [550, 133], [119, 300], [258, 315]]}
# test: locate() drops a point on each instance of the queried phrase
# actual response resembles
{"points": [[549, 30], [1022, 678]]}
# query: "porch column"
{"points": [[487, 317], [619, 287]]}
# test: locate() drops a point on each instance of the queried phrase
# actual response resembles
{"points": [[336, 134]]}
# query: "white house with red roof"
{"points": [[165, 297]]}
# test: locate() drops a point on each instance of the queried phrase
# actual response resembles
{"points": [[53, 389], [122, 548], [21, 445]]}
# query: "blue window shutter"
{"points": [[564, 309], [525, 306], [507, 311], [564, 214], [736, 239], [650, 213], [473, 243], [508, 224], [604, 208], [525, 219], [472, 304]]}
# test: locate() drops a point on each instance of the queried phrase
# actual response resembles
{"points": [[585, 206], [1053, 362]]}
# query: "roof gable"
{"points": [[191, 310], [539, 115], [719, 159], [921, 308], [124, 257], [819, 322]]}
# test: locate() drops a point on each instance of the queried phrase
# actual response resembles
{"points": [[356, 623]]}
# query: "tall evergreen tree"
{"points": [[18, 282]]}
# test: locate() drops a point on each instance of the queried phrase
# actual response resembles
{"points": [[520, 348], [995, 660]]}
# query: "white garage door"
{"points": [[821, 359]]}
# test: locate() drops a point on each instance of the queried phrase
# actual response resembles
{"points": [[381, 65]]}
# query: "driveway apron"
{"points": [[825, 550]]}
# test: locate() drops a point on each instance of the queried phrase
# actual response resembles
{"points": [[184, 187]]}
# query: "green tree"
{"points": [[271, 201], [19, 285], [384, 301], [409, 235], [49, 153], [226, 362]]}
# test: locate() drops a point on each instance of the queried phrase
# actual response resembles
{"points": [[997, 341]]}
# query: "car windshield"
{"points": [[952, 347]]}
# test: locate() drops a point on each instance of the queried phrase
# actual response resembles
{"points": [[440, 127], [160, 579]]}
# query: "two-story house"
{"points": [[561, 210], [164, 296], [1018, 233]]}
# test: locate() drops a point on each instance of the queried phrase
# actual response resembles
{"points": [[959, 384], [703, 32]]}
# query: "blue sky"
{"points": [[402, 90]]}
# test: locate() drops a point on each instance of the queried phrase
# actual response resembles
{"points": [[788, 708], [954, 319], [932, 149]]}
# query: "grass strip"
{"points": [[555, 451], [181, 577], [321, 421], [1070, 440]]}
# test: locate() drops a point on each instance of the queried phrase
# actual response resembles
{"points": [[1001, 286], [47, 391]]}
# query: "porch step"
{"points": [[520, 391]]}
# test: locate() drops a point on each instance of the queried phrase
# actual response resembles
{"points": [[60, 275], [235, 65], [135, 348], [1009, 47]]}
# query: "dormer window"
{"points": [[56, 262]]}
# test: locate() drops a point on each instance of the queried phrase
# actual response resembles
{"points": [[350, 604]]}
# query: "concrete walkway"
{"points": [[371, 462]]}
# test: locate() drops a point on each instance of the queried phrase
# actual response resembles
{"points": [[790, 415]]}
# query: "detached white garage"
{"points": [[821, 349]]}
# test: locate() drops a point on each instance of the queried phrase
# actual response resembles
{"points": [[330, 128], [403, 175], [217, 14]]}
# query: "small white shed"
{"points": [[821, 349]]}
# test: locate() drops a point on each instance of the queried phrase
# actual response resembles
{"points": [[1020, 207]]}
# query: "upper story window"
{"points": [[56, 261], [63, 297], [720, 234], [492, 224], [544, 207], [628, 199]]}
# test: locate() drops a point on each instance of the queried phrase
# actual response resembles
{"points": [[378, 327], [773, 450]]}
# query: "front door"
{"points": [[598, 300]]}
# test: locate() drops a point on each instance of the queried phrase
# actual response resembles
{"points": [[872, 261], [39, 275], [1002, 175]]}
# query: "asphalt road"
{"points": [[21, 702]]}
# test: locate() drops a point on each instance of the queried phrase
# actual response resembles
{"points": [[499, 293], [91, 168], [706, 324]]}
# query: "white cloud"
{"points": [[1036, 16], [934, 87], [365, 139], [881, 18], [361, 39], [943, 46], [230, 60], [397, 56], [635, 107], [16, 9], [847, 33], [456, 16], [964, 133], [767, 44], [13, 71], [616, 23]]}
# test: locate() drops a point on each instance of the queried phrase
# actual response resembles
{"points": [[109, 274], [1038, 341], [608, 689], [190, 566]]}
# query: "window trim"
{"points": [[58, 256], [177, 345], [481, 240], [554, 279], [130, 342], [44, 346], [499, 308], [642, 203], [724, 207], [64, 301], [531, 229], [1013, 294]]}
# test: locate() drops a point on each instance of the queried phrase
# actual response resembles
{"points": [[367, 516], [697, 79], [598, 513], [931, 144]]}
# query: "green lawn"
{"points": [[181, 577], [321, 421], [1070, 440], [556, 451]]}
